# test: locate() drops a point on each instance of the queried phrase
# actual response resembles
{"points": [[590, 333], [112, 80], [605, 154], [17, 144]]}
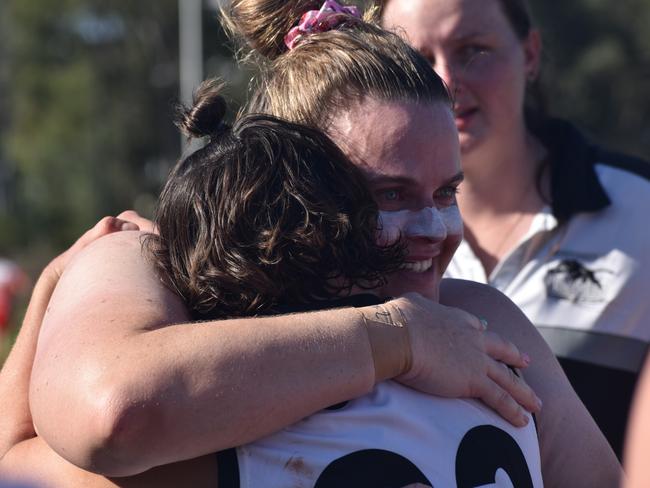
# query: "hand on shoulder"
{"points": [[453, 356], [502, 315], [563, 420]]}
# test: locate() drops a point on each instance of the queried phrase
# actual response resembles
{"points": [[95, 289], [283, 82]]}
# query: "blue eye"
{"points": [[391, 195]]}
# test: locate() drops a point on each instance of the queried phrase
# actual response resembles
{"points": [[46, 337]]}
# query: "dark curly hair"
{"points": [[268, 213]]}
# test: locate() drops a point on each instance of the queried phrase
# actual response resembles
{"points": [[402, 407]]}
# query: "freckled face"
{"points": [[473, 47], [410, 154]]}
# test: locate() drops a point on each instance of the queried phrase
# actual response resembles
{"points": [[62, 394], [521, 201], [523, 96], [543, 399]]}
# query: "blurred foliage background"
{"points": [[87, 89]]}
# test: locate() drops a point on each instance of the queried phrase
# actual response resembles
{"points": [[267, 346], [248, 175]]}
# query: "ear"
{"points": [[532, 53]]}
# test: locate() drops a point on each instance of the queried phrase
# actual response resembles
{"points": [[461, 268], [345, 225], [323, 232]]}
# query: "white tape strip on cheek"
{"points": [[391, 226], [426, 222], [452, 220]]}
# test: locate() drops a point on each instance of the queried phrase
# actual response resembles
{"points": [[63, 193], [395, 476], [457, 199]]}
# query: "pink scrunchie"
{"points": [[330, 15]]}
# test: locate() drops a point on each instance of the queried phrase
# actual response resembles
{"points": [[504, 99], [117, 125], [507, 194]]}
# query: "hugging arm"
{"points": [[573, 450], [127, 384], [16, 421], [33, 461], [23, 455]]}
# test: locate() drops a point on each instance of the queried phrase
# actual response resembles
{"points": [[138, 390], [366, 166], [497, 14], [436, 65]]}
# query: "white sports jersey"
{"points": [[390, 438]]}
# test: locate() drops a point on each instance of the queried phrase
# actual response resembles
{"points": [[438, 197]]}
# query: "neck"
{"points": [[499, 197]]}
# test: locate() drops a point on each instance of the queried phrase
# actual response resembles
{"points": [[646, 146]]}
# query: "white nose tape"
{"points": [[428, 222], [453, 221]]}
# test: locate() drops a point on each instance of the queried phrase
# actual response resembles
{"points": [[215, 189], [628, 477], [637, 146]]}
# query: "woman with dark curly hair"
{"points": [[269, 215]]}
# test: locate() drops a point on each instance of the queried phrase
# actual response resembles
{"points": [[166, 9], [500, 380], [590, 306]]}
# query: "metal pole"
{"points": [[190, 14]]}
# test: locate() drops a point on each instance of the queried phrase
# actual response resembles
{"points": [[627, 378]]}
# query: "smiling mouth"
{"points": [[418, 266]]}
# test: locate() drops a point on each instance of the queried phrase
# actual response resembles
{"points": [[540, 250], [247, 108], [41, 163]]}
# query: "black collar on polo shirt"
{"points": [[575, 186]]}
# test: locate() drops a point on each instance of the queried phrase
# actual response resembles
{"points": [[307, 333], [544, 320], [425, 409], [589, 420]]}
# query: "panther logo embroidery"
{"points": [[571, 280]]}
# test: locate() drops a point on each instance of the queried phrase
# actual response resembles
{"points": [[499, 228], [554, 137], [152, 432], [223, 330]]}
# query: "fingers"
{"points": [[513, 392], [515, 386], [144, 225], [113, 224], [503, 403], [128, 225], [131, 215], [105, 226], [504, 351]]}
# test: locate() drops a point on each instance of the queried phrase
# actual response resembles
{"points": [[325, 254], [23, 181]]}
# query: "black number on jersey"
{"points": [[483, 451]]}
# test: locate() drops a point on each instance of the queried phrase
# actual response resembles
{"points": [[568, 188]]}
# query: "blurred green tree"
{"points": [[90, 90], [87, 89], [90, 84], [597, 70]]}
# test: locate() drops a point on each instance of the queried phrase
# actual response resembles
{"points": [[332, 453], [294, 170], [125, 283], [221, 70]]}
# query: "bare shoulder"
{"points": [[503, 316], [454, 292], [111, 251], [113, 265], [563, 419], [506, 319], [482, 300], [457, 291], [111, 284]]}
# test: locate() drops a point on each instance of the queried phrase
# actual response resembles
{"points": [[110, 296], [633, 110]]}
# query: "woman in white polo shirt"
{"points": [[552, 220]]}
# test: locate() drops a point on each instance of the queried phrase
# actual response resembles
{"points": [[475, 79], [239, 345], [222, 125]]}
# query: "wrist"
{"points": [[389, 339]]}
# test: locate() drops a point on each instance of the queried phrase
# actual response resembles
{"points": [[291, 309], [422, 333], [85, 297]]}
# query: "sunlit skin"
{"points": [[410, 155], [486, 65], [472, 46]]}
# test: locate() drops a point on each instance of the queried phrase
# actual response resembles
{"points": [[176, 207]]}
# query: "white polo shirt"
{"points": [[582, 272]]}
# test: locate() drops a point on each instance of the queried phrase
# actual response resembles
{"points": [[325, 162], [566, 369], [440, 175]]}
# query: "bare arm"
{"points": [[574, 452], [33, 461], [119, 389], [16, 420], [205, 387]]}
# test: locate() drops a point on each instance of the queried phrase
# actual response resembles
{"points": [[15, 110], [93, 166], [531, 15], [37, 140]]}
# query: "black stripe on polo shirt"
{"points": [[575, 186], [605, 350], [603, 370]]}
